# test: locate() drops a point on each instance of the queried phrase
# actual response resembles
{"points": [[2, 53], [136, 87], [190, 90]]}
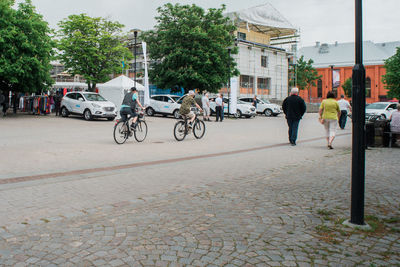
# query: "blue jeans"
{"points": [[343, 119], [293, 127]]}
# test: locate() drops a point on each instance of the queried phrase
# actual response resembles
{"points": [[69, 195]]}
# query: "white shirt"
{"points": [[344, 104], [218, 101]]}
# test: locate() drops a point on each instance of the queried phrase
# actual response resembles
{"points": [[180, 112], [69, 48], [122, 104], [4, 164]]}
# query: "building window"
{"points": [[264, 83], [241, 36], [246, 81], [368, 87], [264, 61], [319, 88]]}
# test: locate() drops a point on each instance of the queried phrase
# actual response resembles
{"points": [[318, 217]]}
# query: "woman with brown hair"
{"points": [[329, 113]]}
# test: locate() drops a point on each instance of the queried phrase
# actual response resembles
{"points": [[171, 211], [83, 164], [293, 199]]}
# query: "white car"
{"points": [[164, 104], [243, 108], [382, 109], [264, 106], [89, 105]]}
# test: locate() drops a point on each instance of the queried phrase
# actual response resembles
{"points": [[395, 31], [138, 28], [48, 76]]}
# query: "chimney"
{"points": [[317, 44]]}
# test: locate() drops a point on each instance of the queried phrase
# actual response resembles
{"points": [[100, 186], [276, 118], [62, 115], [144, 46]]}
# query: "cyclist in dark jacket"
{"points": [[128, 106]]}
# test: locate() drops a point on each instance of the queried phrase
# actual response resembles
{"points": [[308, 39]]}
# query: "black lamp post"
{"points": [[134, 53], [358, 152], [229, 82]]}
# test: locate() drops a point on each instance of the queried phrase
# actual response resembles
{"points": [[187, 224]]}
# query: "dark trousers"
{"points": [[293, 128], [57, 109], [219, 113], [343, 119]]}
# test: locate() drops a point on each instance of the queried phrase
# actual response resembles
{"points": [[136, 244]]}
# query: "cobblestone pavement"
{"points": [[287, 216]]}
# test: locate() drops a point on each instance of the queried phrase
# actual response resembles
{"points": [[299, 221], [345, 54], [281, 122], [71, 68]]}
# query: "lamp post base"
{"points": [[364, 227]]}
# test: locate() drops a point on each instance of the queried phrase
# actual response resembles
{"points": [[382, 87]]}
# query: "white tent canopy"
{"points": [[115, 89], [264, 18]]}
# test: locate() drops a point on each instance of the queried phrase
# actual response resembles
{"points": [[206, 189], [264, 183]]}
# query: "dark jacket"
{"points": [[294, 107]]}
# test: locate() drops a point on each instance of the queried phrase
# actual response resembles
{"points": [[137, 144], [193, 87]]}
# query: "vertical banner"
{"points": [[336, 78], [233, 93], [146, 76]]}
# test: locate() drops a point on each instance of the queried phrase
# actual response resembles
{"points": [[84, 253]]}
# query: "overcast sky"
{"points": [[326, 21]]}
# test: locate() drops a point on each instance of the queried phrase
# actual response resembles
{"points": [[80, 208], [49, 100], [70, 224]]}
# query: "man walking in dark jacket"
{"points": [[294, 108]]}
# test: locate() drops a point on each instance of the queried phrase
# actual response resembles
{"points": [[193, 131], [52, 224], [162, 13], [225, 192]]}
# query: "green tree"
{"points": [[347, 87], [26, 48], [392, 77], [91, 47], [189, 48], [306, 75]]}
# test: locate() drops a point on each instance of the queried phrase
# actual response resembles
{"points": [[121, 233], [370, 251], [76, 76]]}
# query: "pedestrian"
{"points": [[395, 124], [219, 107], [294, 108], [14, 101], [5, 101], [345, 107], [255, 102], [329, 112], [2, 99], [205, 101], [57, 103]]}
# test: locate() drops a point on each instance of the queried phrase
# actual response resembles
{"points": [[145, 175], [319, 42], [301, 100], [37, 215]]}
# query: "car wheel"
{"points": [[176, 114], [150, 112], [64, 112], [87, 115], [238, 114], [268, 112]]}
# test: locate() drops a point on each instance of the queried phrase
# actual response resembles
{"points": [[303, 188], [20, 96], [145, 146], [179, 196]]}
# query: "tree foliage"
{"points": [[392, 77], [26, 48], [347, 87], [91, 47], [189, 47], [306, 74]]}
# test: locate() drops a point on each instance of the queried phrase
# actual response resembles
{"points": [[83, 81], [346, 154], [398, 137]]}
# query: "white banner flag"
{"points": [[146, 77], [233, 93]]}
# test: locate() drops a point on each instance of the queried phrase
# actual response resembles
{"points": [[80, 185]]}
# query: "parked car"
{"points": [[382, 109], [89, 105], [243, 108], [164, 104], [264, 106]]}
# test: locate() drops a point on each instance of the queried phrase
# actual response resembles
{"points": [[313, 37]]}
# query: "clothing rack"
{"points": [[35, 105]]}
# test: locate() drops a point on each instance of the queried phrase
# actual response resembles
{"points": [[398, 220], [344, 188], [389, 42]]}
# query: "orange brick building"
{"points": [[330, 60]]}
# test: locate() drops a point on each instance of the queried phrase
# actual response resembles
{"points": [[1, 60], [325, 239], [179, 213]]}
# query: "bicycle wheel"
{"points": [[199, 129], [141, 131], [121, 132], [180, 131]]}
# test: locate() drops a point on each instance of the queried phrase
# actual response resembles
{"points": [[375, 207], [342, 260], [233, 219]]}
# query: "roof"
{"points": [[122, 82], [343, 54], [265, 19]]}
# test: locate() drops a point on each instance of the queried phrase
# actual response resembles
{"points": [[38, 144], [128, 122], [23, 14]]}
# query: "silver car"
{"points": [[264, 106], [164, 104], [243, 108]]}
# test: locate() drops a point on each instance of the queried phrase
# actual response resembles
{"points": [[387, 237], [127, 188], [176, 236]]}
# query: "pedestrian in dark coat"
{"points": [[294, 108]]}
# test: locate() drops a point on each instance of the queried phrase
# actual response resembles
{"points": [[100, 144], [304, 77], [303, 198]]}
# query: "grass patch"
{"points": [[392, 220], [325, 212]]}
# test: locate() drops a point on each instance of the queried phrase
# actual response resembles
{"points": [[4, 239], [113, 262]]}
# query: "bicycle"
{"points": [[123, 129], [181, 128]]}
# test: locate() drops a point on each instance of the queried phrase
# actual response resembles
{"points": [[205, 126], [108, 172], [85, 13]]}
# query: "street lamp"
{"points": [[134, 53], [229, 81], [358, 117]]}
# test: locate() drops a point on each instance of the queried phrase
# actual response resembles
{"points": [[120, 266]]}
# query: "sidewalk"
{"points": [[287, 217]]}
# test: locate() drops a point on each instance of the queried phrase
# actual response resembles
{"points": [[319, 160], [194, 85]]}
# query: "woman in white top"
{"points": [[395, 123]]}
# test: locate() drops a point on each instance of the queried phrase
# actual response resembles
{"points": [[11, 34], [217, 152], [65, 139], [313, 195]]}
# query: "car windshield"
{"points": [[94, 97], [376, 106], [175, 98]]}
